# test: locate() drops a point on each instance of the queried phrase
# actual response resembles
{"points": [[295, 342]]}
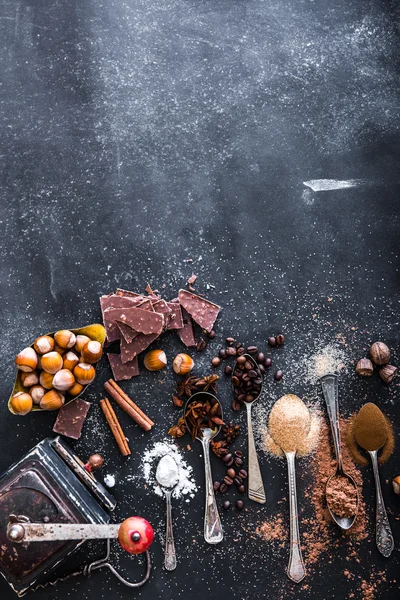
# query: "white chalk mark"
{"points": [[322, 185]]}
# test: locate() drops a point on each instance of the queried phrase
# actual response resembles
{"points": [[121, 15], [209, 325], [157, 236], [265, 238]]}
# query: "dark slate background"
{"points": [[138, 135]]}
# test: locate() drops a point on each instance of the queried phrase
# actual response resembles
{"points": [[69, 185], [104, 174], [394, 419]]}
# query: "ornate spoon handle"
{"points": [[296, 570], [384, 536], [169, 554], [213, 533], [256, 486]]}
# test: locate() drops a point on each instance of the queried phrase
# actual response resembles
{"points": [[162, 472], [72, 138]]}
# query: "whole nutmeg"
{"points": [[26, 360], [37, 392], [81, 341], [379, 353], [388, 373], [364, 367], [70, 360], [46, 380], [63, 380], [91, 352], [84, 373], [65, 338], [21, 403], [155, 360], [182, 364], [43, 344], [76, 389], [52, 362], [29, 379], [396, 485], [52, 400]]}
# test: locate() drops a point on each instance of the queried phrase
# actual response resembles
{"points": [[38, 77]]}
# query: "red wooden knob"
{"points": [[95, 462], [135, 535]]}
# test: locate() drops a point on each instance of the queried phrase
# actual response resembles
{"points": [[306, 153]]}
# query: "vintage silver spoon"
{"points": [[213, 533], [256, 490], [329, 384], [167, 476]]}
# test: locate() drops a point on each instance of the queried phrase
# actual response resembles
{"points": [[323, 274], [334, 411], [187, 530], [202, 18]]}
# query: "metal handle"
{"points": [[170, 554], [213, 533], [329, 384], [256, 487], [296, 570], [384, 536]]}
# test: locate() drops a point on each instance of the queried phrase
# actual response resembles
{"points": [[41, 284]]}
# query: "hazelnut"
{"points": [[76, 389], [364, 367], [379, 353], [63, 380], [182, 364], [65, 338], [396, 485], [52, 400], [84, 373], [37, 392], [26, 360], [387, 373], [21, 403], [91, 352], [46, 380], [43, 344], [81, 341], [155, 360], [70, 360], [29, 379], [216, 361], [52, 362]]}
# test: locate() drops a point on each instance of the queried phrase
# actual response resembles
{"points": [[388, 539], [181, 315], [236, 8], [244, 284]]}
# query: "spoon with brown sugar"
{"points": [[289, 424], [370, 431]]}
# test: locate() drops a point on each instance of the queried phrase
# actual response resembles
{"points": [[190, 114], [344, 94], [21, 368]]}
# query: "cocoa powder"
{"points": [[341, 496]]}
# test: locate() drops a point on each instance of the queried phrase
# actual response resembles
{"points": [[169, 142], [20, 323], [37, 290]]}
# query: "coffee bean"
{"points": [[252, 349], [248, 365], [238, 345], [237, 481], [231, 473], [227, 458], [243, 473], [230, 351], [228, 480], [201, 345], [241, 360], [228, 370], [222, 354], [241, 489], [252, 373], [211, 334], [230, 340], [216, 361], [239, 504], [261, 368], [235, 381], [223, 488], [238, 461], [280, 339], [226, 505], [230, 462], [216, 486], [240, 351], [238, 453], [278, 375], [257, 381], [272, 342], [267, 362], [260, 357], [241, 397], [249, 398], [235, 405]]}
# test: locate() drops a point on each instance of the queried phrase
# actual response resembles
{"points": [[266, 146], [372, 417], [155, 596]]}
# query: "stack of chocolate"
{"points": [[137, 320]]}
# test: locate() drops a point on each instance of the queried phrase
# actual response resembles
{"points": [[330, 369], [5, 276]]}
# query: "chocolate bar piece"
{"points": [[175, 318], [202, 311], [186, 334], [121, 292], [162, 308], [138, 319], [140, 343], [127, 332], [112, 301], [123, 371], [71, 417]]}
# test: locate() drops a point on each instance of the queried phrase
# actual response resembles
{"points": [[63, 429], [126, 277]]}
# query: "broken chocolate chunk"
{"points": [[175, 318], [71, 417], [186, 334], [113, 302], [202, 311], [138, 319], [136, 346], [123, 371]]}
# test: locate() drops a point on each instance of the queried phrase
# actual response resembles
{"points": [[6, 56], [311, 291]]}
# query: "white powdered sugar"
{"points": [[185, 486]]}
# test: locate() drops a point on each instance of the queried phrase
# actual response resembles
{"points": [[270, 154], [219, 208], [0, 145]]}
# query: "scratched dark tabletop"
{"points": [[137, 136]]}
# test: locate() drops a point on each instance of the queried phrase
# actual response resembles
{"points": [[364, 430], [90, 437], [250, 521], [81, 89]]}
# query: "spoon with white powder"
{"points": [[167, 476]]}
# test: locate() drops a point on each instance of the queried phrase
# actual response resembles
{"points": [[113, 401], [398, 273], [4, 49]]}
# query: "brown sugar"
{"points": [[289, 422]]}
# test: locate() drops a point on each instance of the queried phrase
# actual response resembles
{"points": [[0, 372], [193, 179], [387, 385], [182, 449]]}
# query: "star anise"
{"points": [[178, 402], [230, 432], [208, 383], [220, 448], [187, 387]]}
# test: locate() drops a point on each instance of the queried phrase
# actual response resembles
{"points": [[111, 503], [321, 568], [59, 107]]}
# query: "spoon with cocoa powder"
{"points": [[371, 433]]}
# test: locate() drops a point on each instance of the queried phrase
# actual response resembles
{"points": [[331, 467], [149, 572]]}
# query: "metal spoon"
{"points": [[213, 533], [167, 476], [384, 536], [329, 384], [256, 490], [296, 570]]}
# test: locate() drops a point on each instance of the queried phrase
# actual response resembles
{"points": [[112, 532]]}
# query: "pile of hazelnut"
{"points": [[55, 366], [380, 356]]}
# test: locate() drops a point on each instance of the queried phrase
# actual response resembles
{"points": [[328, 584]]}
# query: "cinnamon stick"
{"points": [[115, 427], [132, 409]]}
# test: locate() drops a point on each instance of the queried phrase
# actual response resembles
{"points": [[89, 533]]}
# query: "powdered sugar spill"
{"points": [[109, 480], [186, 485]]}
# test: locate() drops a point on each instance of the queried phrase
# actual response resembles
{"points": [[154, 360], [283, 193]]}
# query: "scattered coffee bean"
{"points": [[260, 357], [231, 473], [227, 458], [230, 340], [228, 370], [223, 488], [230, 351], [230, 462], [261, 369], [280, 339], [240, 351], [237, 481], [252, 349], [236, 405], [216, 486], [243, 473], [278, 375], [239, 504], [226, 505], [201, 345], [216, 361], [228, 480], [211, 334], [222, 354], [238, 345], [238, 453], [267, 362], [238, 461], [241, 489], [272, 342]]}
